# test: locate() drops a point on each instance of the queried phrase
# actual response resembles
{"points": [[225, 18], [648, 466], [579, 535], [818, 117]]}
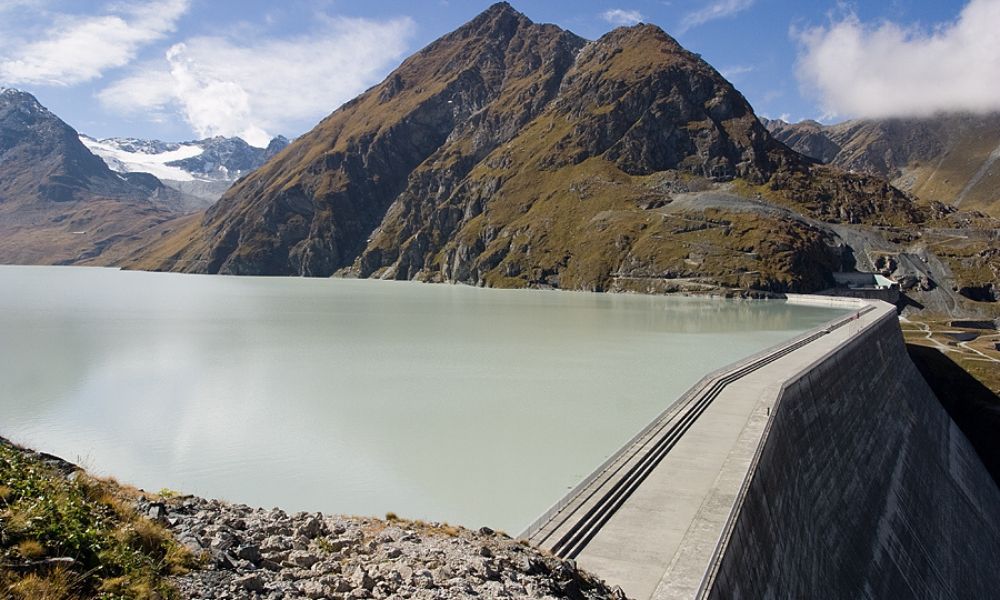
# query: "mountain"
{"points": [[59, 202], [951, 158], [204, 169], [509, 153]]}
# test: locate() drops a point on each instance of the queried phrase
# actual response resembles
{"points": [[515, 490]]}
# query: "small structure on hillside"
{"points": [[858, 284]]}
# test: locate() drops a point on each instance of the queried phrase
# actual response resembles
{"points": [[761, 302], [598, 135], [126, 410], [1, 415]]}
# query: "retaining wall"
{"points": [[863, 488]]}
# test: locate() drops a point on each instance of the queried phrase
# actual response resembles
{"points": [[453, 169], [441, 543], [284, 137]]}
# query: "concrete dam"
{"points": [[824, 467]]}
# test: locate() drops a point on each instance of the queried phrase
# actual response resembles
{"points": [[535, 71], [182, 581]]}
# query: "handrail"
{"points": [[708, 579], [663, 419]]}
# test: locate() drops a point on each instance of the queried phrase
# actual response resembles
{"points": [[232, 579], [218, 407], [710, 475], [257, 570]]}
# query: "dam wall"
{"points": [[861, 487]]}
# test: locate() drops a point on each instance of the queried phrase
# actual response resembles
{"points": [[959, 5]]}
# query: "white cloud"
{"points": [[863, 70], [254, 90], [619, 16], [81, 48], [718, 9], [736, 71]]}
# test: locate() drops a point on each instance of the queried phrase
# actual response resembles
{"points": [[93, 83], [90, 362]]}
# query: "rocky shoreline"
{"points": [[256, 553]]}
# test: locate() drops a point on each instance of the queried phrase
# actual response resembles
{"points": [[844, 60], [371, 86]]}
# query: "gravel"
{"points": [[258, 553]]}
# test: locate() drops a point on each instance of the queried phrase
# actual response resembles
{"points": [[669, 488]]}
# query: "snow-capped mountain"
{"points": [[202, 168]]}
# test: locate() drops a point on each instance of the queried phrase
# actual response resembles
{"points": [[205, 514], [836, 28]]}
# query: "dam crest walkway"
{"points": [[655, 518]]}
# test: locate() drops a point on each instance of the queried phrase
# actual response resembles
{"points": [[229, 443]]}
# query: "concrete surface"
{"points": [[864, 488], [794, 481]]}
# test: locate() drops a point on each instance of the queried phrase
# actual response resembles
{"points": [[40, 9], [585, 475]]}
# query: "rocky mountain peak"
{"points": [[510, 153], [13, 100], [498, 17], [43, 158], [276, 145], [649, 105]]}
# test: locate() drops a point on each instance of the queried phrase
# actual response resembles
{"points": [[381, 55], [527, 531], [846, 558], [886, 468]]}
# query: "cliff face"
{"points": [[509, 153]]}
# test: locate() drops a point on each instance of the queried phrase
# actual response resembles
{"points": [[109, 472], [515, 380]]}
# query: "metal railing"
{"points": [[715, 564], [617, 461]]}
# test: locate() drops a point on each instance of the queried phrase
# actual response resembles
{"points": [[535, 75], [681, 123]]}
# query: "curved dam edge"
{"points": [[640, 440], [862, 487], [830, 471]]}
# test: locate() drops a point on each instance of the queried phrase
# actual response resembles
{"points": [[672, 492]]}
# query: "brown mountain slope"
{"points": [[949, 158], [515, 154], [58, 202]]}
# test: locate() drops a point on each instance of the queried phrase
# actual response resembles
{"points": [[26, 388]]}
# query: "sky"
{"points": [[186, 69]]}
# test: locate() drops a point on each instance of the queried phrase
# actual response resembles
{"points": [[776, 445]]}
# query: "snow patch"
{"points": [[124, 161]]}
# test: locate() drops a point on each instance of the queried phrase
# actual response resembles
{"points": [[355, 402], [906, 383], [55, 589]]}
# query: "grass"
{"points": [[116, 553]]}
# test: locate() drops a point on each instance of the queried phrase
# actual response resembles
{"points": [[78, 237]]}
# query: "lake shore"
{"points": [[244, 552]]}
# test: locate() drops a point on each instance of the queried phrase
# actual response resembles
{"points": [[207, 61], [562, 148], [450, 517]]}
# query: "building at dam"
{"points": [[824, 467]]}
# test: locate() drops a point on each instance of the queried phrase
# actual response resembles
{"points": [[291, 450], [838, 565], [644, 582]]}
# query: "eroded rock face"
{"points": [[514, 154], [257, 553]]}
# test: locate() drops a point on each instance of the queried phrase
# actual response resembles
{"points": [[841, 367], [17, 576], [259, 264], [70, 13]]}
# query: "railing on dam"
{"points": [[711, 573], [643, 454]]}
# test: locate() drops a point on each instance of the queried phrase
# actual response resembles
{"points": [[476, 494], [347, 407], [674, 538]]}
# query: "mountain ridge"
{"points": [[428, 175], [950, 157], [514, 154], [58, 202]]}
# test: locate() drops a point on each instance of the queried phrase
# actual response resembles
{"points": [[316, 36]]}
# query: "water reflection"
{"points": [[441, 402]]}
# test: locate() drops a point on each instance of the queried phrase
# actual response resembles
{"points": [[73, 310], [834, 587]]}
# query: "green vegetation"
{"points": [[67, 537]]}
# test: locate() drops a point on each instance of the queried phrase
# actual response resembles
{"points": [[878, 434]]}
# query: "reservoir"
{"points": [[440, 402]]}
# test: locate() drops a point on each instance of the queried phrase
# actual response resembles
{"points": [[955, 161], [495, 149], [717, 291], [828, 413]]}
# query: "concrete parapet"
{"points": [[821, 468], [863, 487]]}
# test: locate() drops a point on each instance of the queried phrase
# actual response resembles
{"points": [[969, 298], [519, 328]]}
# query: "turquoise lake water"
{"points": [[449, 403]]}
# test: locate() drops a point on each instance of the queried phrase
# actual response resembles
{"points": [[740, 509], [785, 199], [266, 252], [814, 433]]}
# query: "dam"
{"points": [[824, 466]]}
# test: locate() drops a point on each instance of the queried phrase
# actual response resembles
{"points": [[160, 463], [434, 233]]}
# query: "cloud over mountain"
{"points": [[717, 9], [253, 88], [621, 16], [860, 69]]}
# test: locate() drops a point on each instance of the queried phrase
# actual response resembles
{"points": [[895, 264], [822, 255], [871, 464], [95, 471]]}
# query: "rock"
{"points": [[157, 511], [312, 528], [250, 553], [405, 571], [301, 558], [191, 544], [423, 579], [313, 589], [251, 583], [275, 543], [361, 579]]}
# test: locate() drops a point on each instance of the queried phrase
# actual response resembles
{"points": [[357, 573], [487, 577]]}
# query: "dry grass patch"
{"points": [[72, 536]]}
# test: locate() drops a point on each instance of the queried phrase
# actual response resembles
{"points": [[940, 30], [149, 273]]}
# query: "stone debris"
{"points": [[269, 554]]}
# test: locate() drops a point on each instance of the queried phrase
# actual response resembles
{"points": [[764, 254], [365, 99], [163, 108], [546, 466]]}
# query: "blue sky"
{"points": [[180, 69]]}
